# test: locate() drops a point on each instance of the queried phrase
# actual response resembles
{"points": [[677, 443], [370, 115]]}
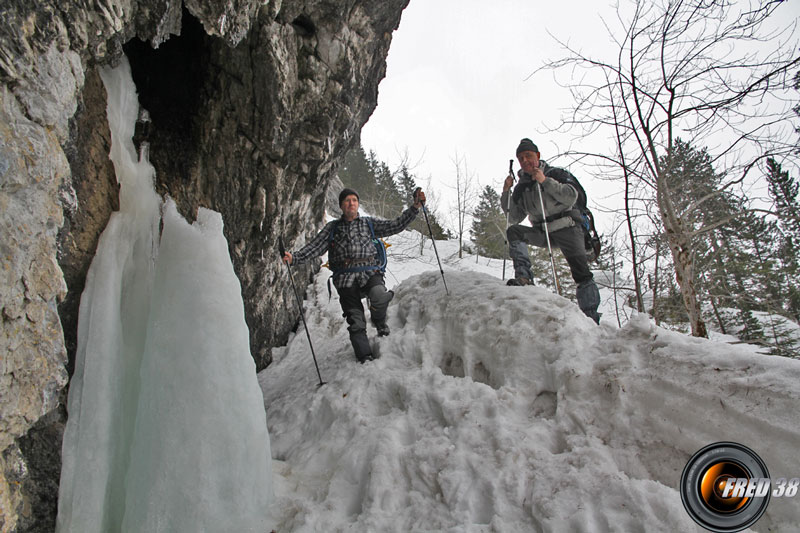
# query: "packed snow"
{"points": [[502, 409], [490, 408], [166, 429]]}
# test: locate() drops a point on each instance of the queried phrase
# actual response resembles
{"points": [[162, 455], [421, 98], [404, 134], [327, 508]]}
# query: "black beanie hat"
{"points": [[527, 145], [345, 193]]}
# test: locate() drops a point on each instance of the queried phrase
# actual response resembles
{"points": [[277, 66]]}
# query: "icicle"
{"points": [[165, 411]]}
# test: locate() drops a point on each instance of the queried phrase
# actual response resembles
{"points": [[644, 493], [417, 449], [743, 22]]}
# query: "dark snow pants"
{"points": [[570, 241], [353, 311]]}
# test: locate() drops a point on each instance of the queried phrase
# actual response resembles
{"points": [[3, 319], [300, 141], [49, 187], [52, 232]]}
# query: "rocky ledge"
{"points": [[251, 106]]}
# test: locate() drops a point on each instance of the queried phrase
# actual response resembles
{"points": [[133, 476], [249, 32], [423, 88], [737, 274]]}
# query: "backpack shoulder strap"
{"points": [[333, 231], [371, 226], [380, 246], [565, 176], [561, 175]]}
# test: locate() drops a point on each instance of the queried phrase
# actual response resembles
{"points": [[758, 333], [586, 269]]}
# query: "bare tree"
{"points": [[707, 70], [466, 196], [432, 203]]}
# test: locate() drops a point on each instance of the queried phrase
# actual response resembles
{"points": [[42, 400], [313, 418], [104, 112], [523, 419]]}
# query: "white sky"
{"points": [[456, 82]]}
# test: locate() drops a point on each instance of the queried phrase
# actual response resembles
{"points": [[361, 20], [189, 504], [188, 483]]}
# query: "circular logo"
{"points": [[722, 487]]}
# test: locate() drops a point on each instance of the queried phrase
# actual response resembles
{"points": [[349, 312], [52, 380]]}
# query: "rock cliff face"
{"points": [[251, 105]]}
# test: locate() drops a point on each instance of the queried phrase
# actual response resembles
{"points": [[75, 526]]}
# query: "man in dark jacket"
{"points": [[354, 259], [559, 199]]}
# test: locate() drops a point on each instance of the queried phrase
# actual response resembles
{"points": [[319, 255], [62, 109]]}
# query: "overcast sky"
{"points": [[456, 83]]}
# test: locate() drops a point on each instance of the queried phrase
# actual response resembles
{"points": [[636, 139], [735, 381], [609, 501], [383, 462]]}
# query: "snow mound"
{"points": [[501, 408]]}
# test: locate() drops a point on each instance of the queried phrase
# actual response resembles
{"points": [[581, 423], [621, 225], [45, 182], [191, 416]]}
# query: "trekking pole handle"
{"points": [[283, 252], [506, 185], [416, 192]]}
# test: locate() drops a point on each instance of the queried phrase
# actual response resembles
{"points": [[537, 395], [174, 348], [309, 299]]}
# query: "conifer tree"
{"points": [[783, 339], [387, 201], [489, 225], [406, 184], [355, 173], [703, 206], [383, 194], [784, 192], [543, 271], [751, 329]]}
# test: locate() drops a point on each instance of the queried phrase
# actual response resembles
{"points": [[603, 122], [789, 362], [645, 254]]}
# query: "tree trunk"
{"points": [[717, 314], [684, 274], [679, 241], [637, 284], [655, 284]]}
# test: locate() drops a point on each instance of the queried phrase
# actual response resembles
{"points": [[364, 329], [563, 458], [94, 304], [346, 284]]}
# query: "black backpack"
{"points": [[585, 217]]}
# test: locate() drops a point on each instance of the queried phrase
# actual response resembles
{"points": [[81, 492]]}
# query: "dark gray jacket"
{"points": [[558, 199]]}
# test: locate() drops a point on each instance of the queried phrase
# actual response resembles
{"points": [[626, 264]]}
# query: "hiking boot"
{"points": [[519, 282], [366, 358], [383, 329]]}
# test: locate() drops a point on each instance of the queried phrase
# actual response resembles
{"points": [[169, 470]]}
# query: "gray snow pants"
{"points": [[570, 241]]}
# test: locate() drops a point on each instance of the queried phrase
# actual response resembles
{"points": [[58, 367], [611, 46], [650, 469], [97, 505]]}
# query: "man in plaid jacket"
{"points": [[354, 259]]}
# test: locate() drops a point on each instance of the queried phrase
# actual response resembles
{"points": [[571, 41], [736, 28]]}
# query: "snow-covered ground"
{"points": [[503, 409], [491, 408]]}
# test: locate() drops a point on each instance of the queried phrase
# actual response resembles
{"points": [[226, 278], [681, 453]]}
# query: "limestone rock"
{"points": [[32, 372], [252, 105]]}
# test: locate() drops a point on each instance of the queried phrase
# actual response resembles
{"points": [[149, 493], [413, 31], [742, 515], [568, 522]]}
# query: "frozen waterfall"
{"points": [[167, 429]]}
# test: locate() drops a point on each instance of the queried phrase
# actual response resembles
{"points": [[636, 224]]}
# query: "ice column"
{"points": [[166, 429]]}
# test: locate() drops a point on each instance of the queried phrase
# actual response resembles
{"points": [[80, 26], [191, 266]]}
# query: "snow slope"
{"points": [[502, 409]]}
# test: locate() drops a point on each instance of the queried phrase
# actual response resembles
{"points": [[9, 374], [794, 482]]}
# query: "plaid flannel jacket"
{"points": [[352, 243]]}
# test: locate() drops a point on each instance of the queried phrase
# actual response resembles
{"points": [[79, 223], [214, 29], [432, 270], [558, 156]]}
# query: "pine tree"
{"points": [[387, 201], [489, 225], [666, 300], [783, 339], [751, 329], [406, 184], [543, 271], [383, 194], [784, 192], [702, 207], [355, 173], [745, 263]]}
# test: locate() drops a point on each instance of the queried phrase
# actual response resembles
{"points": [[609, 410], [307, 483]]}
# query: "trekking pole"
{"points": [[425, 212], [547, 236], [508, 214], [300, 307]]}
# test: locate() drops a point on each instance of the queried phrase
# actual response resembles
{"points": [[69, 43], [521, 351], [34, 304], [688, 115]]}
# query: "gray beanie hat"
{"points": [[345, 193], [527, 145]]}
